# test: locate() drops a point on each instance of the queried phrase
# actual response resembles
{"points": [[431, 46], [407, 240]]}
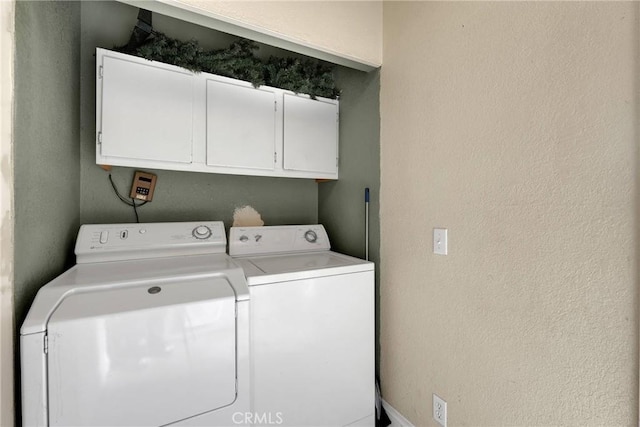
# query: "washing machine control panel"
{"points": [[112, 242], [277, 239]]}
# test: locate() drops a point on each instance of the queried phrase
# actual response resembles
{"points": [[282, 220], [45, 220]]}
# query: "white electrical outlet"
{"points": [[439, 410], [440, 241]]}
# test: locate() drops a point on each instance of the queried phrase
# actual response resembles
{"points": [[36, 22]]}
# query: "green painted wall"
{"points": [[341, 203], [47, 155], [179, 196]]}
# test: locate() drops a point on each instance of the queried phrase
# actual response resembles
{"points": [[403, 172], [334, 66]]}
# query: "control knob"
{"points": [[202, 232], [311, 236]]}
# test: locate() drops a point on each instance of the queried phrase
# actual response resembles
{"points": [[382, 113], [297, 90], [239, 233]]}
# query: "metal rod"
{"points": [[366, 224]]}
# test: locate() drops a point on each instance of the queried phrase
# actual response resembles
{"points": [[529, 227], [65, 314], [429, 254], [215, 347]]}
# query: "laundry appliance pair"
{"points": [[156, 325]]}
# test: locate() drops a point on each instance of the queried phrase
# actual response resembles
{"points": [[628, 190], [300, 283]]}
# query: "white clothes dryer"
{"points": [[312, 327], [149, 328]]}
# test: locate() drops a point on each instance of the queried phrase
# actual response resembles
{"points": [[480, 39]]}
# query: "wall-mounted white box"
{"points": [[440, 241]]}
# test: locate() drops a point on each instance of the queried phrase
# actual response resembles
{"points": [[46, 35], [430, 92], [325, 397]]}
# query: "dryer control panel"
{"points": [[277, 239], [115, 242]]}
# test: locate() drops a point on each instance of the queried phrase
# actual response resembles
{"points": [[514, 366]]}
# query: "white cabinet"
{"points": [[144, 110], [159, 116], [241, 125], [310, 135]]}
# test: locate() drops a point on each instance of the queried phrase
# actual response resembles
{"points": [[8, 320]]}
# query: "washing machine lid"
{"points": [[145, 354], [271, 254], [275, 268], [299, 262]]}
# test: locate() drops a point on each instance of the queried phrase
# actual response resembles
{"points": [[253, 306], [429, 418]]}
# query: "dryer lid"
{"points": [[96, 277], [142, 355]]}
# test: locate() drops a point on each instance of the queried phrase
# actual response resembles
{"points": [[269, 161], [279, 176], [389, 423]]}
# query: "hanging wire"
{"points": [[135, 209], [124, 200]]}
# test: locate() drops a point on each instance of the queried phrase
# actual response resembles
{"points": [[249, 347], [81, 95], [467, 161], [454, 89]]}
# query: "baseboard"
{"points": [[396, 417]]}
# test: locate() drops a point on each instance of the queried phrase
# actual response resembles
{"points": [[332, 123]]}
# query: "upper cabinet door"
{"points": [[146, 110], [310, 134], [241, 125]]}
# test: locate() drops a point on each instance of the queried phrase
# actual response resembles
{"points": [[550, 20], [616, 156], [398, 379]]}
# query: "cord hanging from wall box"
{"points": [[132, 202]]}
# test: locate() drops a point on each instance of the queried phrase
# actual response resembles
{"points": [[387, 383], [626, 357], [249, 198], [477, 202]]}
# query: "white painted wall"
{"points": [[345, 32], [351, 28], [7, 41], [514, 125]]}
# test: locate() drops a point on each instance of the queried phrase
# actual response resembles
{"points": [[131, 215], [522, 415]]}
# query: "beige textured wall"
{"points": [[350, 28], [7, 43], [515, 126]]}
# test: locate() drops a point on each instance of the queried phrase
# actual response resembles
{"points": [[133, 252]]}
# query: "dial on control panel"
{"points": [[311, 236], [202, 232]]}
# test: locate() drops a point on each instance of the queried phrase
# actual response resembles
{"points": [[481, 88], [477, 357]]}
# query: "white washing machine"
{"points": [[312, 327], [150, 328]]}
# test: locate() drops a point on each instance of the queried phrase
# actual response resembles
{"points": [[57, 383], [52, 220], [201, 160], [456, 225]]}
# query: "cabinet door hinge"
{"points": [[336, 162], [275, 157], [100, 71], [99, 137], [46, 344], [275, 105]]}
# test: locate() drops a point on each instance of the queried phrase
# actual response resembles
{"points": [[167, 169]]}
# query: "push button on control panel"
{"points": [[104, 237]]}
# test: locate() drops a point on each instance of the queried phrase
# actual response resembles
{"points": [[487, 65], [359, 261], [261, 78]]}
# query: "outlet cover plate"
{"points": [[439, 410], [440, 241]]}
